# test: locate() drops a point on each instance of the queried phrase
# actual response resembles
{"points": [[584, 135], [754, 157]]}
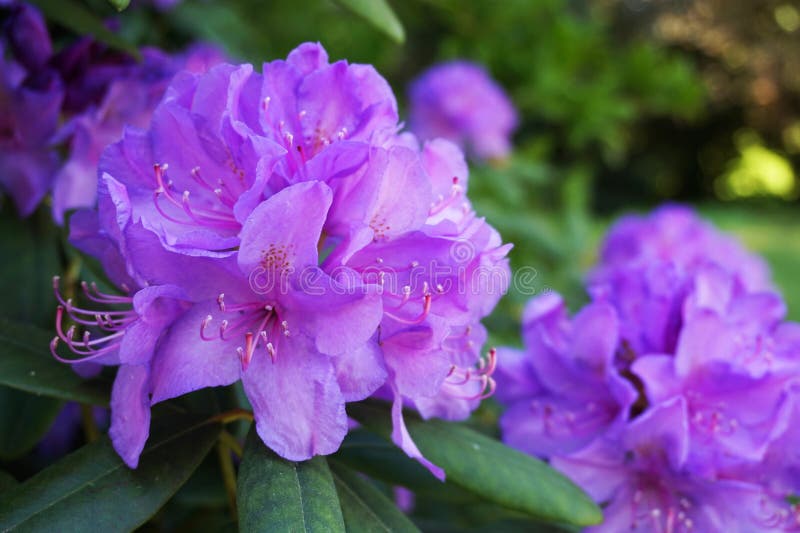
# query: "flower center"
{"points": [[259, 323]]}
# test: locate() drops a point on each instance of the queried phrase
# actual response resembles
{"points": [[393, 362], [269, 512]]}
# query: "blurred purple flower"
{"points": [[563, 391], [701, 438], [647, 264], [676, 235], [27, 159], [28, 38], [128, 99], [459, 101], [95, 90], [639, 473]]}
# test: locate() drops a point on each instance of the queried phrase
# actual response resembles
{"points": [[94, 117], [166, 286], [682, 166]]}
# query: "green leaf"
{"points": [[378, 13], [31, 259], [7, 481], [24, 420], [364, 507], [94, 487], [27, 364], [278, 495], [205, 488], [119, 5], [368, 453], [488, 468], [74, 16]]}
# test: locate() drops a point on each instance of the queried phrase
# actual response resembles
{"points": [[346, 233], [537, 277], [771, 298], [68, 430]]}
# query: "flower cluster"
{"points": [[77, 99], [275, 228], [671, 397], [459, 101]]}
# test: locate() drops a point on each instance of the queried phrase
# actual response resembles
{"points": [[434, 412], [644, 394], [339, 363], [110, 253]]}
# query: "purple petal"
{"points": [[515, 376], [402, 438], [419, 366], [298, 407], [353, 100], [28, 37], [595, 339], [130, 412], [664, 429], [550, 425], [308, 57], [184, 362], [360, 371], [657, 372], [26, 177], [599, 468], [282, 233], [443, 161], [340, 318]]}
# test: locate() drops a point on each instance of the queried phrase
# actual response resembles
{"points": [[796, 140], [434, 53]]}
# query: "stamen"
{"points": [[481, 375], [248, 350], [426, 308], [250, 314], [203, 325], [115, 322], [203, 217], [456, 191]]}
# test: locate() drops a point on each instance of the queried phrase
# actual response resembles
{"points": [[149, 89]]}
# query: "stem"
{"points": [[231, 442], [232, 416], [228, 473], [73, 271]]}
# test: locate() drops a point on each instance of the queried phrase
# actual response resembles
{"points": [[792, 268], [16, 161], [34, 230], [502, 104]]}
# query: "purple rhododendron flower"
{"points": [[694, 431], [281, 232], [459, 101]]}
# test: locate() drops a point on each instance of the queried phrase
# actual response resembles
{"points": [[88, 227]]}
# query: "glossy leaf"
{"points": [[119, 5], [274, 494], [26, 364], [486, 467], [364, 507], [93, 485], [378, 13], [30, 260], [366, 452], [24, 420], [74, 16]]}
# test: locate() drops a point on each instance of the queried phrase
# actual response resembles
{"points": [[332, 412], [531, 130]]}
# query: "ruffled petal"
{"points": [[130, 412], [298, 406], [184, 362]]}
